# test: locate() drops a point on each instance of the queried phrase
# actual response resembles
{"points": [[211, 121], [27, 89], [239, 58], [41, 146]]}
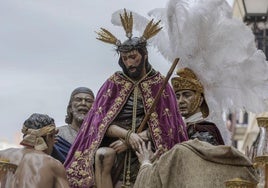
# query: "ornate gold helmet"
{"points": [[187, 80], [131, 43]]}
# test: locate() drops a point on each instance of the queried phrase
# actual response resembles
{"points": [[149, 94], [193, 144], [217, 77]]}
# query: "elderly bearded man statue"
{"points": [[79, 104], [193, 107], [108, 133]]}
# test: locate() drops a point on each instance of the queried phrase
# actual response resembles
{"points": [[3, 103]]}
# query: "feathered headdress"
{"points": [[219, 49], [130, 44]]}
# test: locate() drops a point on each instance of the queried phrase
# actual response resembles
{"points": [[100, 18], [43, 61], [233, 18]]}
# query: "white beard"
{"points": [[79, 117]]}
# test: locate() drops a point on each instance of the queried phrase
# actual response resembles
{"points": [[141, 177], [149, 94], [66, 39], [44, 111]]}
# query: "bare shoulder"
{"points": [[38, 164], [55, 164], [9, 151], [14, 155], [44, 159], [6, 152]]}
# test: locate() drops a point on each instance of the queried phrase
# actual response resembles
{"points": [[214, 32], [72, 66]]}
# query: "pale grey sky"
{"points": [[48, 48]]}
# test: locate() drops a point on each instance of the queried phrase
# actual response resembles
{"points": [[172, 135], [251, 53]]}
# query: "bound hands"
{"points": [[126, 139], [132, 140], [136, 139]]}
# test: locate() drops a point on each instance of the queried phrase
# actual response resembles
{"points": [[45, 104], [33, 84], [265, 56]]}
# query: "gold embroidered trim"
{"points": [[6, 166], [80, 173]]}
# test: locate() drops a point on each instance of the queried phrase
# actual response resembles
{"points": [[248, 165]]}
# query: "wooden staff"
{"points": [[152, 109]]}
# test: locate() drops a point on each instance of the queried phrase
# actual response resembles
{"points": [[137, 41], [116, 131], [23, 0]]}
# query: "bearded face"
{"points": [[81, 104], [134, 64], [78, 116]]}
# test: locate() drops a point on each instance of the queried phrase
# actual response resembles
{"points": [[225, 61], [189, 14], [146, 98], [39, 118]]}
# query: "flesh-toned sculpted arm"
{"points": [[60, 174], [42, 171], [133, 139], [120, 145], [115, 131], [55, 171]]}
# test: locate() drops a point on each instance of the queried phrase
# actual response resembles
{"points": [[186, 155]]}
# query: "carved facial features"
{"points": [[134, 64], [188, 102], [80, 105]]}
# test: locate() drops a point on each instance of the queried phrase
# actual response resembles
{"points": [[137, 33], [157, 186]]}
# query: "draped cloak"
{"points": [[61, 149], [202, 127], [165, 123], [196, 164]]}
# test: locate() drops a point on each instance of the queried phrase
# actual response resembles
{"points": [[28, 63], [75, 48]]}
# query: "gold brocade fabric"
{"points": [[111, 99]]}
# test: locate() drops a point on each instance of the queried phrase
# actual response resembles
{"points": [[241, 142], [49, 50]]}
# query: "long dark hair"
{"points": [[143, 51]]}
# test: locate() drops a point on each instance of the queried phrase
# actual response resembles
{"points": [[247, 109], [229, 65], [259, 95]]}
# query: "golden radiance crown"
{"points": [[132, 43]]}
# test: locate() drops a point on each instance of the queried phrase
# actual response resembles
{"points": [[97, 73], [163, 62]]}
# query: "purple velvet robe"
{"points": [[165, 124]]}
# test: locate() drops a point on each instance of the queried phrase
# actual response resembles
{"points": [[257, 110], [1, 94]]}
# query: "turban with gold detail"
{"points": [[34, 137]]}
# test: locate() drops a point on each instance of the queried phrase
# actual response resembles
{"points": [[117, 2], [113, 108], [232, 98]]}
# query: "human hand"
{"points": [[144, 135], [134, 140], [145, 154], [119, 146]]}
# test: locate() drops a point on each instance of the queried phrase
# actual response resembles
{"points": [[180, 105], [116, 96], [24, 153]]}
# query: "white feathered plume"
{"points": [[218, 48]]}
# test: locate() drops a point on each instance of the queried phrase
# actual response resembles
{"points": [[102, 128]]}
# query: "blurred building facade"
{"points": [[244, 125]]}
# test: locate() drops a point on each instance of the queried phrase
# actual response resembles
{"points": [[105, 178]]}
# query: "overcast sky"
{"points": [[48, 48]]}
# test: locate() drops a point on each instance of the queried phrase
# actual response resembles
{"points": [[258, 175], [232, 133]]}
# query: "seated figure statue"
{"points": [[79, 104], [103, 155]]}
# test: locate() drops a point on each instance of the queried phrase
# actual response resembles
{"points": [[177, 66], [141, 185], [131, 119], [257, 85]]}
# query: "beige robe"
{"points": [[196, 164]]}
